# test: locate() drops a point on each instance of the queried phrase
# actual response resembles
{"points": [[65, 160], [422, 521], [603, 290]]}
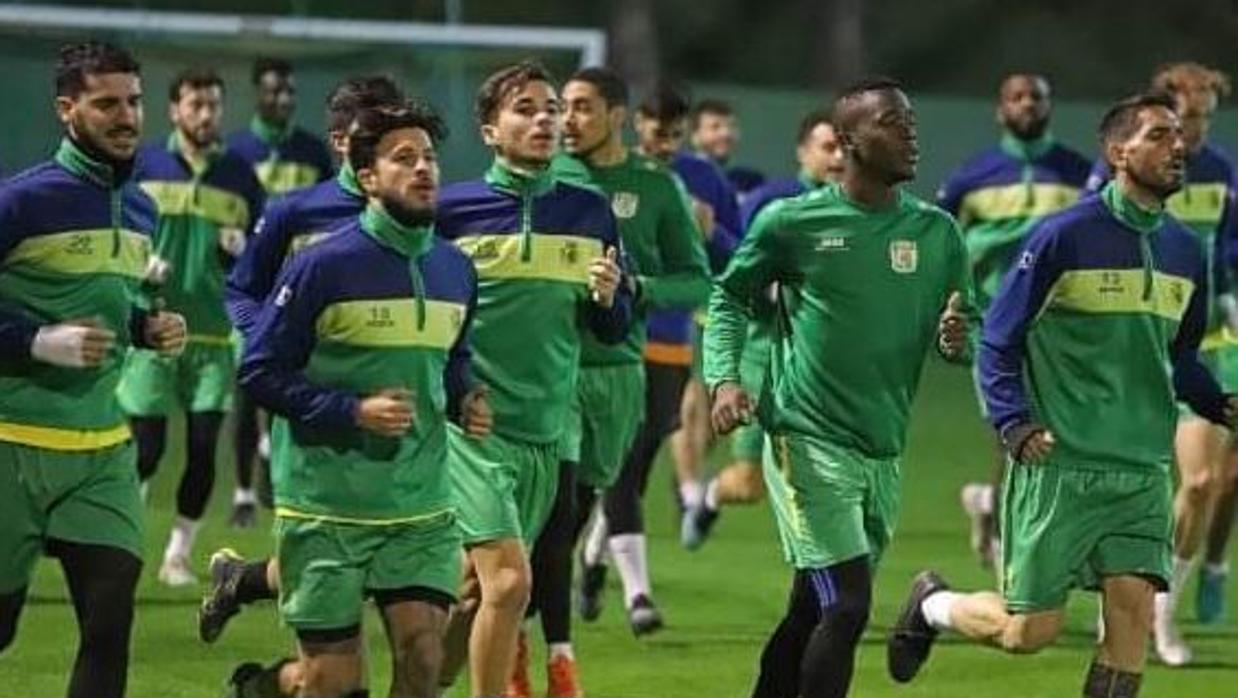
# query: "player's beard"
{"points": [[407, 215], [1030, 131], [80, 135]]}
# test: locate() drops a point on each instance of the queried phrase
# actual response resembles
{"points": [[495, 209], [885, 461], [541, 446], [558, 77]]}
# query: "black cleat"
{"points": [[252, 680], [589, 596], [644, 617], [697, 523], [220, 603], [244, 515], [911, 638]]}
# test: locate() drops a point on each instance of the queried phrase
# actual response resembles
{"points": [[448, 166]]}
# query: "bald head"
{"points": [[1024, 106]]}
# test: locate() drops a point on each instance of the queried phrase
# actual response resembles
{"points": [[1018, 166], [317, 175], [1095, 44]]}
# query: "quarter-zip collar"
{"points": [[269, 133], [347, 179], [808, 181], [527, 186], [1027, 152], [111, 176], [1138, 220], [202, 162], [413, 242]]}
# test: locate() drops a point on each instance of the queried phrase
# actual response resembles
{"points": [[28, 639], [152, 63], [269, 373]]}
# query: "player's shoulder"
{"points": [[1216, 161], [579, 195], [1079, 220], [343, 244], [242, 140], [449, 258], [32, 181], [925, 211]]}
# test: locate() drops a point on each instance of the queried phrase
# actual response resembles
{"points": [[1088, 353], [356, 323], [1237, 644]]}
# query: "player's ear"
{"points": [[618, 117], [490, 135], [64, 109], [368, 179], [1115, 155]]}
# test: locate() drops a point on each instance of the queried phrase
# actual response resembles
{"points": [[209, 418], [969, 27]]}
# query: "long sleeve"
{"points": [[950, 196], [1010, 317], [728, 229], [610, 325], [684, 278], [254, 273], [458, 374], [963, 286], [1193, 382], [278, 350], [731, 307], [1099, 175], [17, 332]]}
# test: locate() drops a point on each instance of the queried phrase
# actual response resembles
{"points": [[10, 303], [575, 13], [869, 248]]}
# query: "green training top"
{"points": [[860, 295], [660, 238]]}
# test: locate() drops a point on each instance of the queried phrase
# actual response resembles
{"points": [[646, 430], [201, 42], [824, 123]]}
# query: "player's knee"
{"points": [[419, 658], [509, 589], [1198, 487], [849, 616]]}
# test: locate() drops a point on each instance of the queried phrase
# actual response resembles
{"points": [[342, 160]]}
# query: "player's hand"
{"points": [[704, 215], [732, 407], [476, 417], [1231, 411], [388, 412], [952, 329], [166, 332], [604, 277], [76, 343], [1036, 446], [232, 241]]}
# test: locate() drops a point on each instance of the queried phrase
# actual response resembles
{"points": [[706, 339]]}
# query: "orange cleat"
{"points": [[561, 678], [519, 686]]}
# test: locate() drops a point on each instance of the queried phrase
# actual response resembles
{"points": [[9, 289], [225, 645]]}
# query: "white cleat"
{"points": [[175, 572], [977, 501], [1170, 646]]}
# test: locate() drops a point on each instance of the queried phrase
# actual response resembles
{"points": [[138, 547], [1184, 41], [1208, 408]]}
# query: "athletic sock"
{"points": [[936, 608], [988, 499], [1181, 572], [144, 491], [180, 542], [253, 584], [561, 649], [711, 495], [628, 552], [691, 492], [1217, 568], [243, 496], [595, 541]]}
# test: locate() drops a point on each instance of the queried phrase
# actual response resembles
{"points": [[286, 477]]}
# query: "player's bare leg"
{"points": [[1210, 599], [504, 580], [741, 483], [415, 632]]}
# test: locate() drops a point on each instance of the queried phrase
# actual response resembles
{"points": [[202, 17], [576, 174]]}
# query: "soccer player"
{"points": [[207, 199], [864, 272], [715, 135], [289, 224], [284, 156], [997, 196], [1206, 204], [74, 242], [363, 354], [668, 269], [820, 159], [1109, 297], [547, 261]]}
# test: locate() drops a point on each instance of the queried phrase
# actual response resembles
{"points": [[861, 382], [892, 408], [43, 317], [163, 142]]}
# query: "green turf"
{"points": [[719, 602]]}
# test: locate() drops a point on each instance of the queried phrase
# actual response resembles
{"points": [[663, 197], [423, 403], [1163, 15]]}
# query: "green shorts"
{"points": [[504, 488], [831, 503], [78, 496], [1066, 527], [326, 569], [606, 415], [199, 380]]}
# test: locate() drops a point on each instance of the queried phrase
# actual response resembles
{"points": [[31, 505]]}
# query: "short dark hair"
{"points": [[667, 102], [495, 88], [812, 120], [1173, 77], [714, 106], [612, 87], [356, 94], [872, 83], [194, 78], [1122, 118], [372, 124], [79, 59], [269, 64]]}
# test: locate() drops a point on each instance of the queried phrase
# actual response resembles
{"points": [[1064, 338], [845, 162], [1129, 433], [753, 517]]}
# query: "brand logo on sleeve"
{"points": [[904, 256], [284, 295]]}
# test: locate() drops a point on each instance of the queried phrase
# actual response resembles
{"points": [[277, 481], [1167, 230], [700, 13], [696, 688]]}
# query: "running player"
{"points": [[207, 200], [363, 356], [668, 269], [1206, 204], [870, 278], [1109, 297], [997, 196], [547, 261], [820, 159], [74, 245]]}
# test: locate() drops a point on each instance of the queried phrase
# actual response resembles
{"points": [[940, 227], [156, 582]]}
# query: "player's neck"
{"points": [[869, 192], [1137, 194], [612, 152]]}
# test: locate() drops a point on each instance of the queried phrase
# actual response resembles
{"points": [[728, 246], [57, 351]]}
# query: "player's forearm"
{"points": [[611, 325], [720, 247], [1001, 384], [1195, 385], [288, 393], [457, 381], [724, 337], [689, 289]]}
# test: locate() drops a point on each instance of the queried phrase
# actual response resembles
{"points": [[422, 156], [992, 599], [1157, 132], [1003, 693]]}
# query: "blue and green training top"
{"points": [[284, 158], [1095, 330], [376, 305]]}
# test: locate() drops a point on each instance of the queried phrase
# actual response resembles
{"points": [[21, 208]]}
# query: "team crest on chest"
{"points": [[904, 256], [624, 204]]}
